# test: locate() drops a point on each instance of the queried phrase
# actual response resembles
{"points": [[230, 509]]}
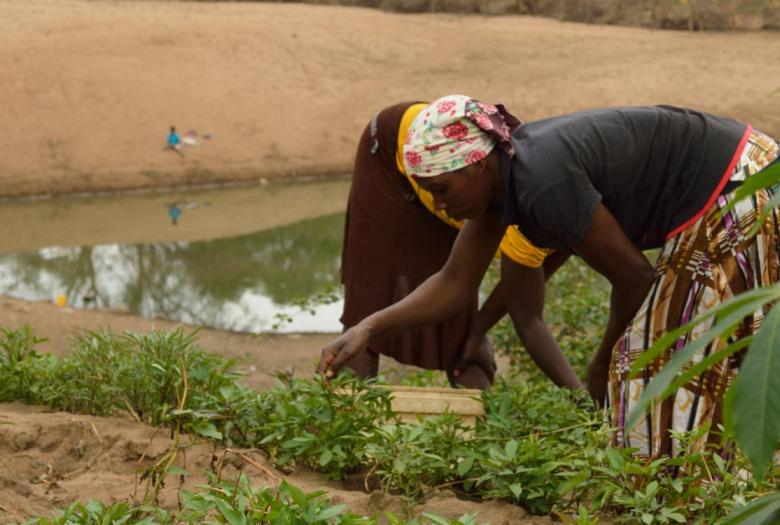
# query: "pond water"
{"points": [[283, 278]]}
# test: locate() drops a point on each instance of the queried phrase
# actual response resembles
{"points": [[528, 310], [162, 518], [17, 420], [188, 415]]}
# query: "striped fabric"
{"points": [[708, 263]]}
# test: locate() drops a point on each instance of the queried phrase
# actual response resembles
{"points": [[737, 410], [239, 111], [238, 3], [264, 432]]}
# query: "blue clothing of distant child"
{"points": [[174, 140], [174, 212]]}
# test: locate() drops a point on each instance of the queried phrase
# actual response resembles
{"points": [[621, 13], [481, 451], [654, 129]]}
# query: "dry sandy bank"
{"points": [[91, 86]]}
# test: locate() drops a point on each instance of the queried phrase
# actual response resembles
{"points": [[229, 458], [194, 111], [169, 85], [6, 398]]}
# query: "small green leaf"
{"points": [[615, 459], [297, 495], [465, 466], [647, 518], [176, 471], [749, 186], [437, 518], [757, 511], [195, 501], [206, 429], [330, 512], [652, 488], [677, 485], [325, 457], [233, 516]]}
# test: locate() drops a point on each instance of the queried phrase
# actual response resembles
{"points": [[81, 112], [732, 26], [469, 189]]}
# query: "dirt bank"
{"points": [[287, 88], [670, 14]]}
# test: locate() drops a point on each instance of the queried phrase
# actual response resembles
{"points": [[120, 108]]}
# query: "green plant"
{"points": [[407, 458], [21, 366], [238, 503], [234, 503], [320, 425], [537, 446]]}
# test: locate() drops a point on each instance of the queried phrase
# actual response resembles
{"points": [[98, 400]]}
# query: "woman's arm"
{"points": [[525, 303], [521, 293], [440, 296], [553, 262], [607, 249], [496, 305]]}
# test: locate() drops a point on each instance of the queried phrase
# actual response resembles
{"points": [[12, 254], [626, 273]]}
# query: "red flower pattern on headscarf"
{"points": [[456, 131], [445, 106], [413, 158]]}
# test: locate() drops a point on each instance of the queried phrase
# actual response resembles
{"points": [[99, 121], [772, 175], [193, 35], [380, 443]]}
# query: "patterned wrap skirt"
{"points": [[706, 264]]}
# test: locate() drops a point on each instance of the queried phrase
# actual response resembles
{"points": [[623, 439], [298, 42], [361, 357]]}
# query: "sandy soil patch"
{"points": [[51, 458], [287, 88]]}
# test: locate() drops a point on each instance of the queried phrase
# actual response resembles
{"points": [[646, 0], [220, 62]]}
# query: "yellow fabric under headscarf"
{"points": [[514, 244]]}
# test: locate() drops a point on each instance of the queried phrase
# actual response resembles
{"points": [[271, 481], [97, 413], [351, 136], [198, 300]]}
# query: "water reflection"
{"points": [[240, 283]]}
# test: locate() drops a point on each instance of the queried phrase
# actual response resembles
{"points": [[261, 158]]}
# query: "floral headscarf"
{"points": [[454, 132]]}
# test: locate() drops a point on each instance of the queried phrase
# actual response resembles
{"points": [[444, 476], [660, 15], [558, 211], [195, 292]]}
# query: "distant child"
{"points": [[174, 141], [174, 212]]}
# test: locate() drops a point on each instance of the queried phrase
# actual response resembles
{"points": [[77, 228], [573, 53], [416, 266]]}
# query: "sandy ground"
{"points": [[90, 87], [48, 459]]}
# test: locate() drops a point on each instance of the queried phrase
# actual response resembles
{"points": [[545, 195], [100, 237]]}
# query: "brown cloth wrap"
{"points": [[391, 245]]}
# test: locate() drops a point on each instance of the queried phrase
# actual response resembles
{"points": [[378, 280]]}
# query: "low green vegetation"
{"points": [[537, 446], [235, 503]]}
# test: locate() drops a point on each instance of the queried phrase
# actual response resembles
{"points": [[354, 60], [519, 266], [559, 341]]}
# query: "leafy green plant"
{"points": [[95, 513], [537, 446], [320, 425], [407, 458], [22, 368], [234, 503]]}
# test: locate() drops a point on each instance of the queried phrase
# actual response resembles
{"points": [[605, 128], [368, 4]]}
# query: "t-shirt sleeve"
{"points": [[518, 248], [564, 210]]}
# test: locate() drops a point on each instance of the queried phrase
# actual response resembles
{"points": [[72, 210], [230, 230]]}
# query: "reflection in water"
{"points": [[239, 283]]}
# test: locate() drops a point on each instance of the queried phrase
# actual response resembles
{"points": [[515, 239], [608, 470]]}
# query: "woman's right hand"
{"points": [[598, 377], [350, 344]]}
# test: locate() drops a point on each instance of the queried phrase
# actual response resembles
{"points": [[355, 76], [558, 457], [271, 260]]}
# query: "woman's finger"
{"points": [[327, 356], [345, 353]]}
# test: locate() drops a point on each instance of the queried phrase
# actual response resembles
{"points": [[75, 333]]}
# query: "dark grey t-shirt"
{"points": [[652, 167]]}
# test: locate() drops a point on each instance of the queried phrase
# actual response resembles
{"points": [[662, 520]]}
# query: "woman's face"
{"points": [[461, 194]]}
